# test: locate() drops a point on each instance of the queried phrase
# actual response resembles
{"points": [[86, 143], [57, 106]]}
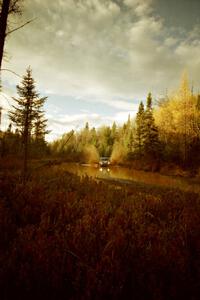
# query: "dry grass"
{"points": [[63, 237]]}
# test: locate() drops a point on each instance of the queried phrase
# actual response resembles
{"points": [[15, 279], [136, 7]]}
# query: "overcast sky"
{"points": [[96, 59]]}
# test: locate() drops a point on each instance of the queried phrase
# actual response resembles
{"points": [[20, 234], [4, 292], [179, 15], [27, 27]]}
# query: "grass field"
{"points": [[63, 237]]}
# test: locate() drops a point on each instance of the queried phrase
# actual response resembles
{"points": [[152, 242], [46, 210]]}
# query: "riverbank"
{"points": [[164, 168], [67, 237]]}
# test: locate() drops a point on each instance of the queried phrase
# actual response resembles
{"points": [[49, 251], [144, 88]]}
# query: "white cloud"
{"points": [[102, 50], [95, 47], [122, 116]]}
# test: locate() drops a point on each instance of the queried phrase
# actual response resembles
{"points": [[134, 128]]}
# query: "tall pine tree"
{"points": [[150, 135], [27, 114], [140, 127]]}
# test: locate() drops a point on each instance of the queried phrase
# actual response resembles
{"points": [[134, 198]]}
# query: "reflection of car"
{"points": [[104, 162]]}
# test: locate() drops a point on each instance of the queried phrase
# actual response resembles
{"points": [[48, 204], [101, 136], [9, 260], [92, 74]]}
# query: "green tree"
{"points": [[40, 127], [38, 143], [114, 131], [140, 128], [93, 135], [150, 135], [27, 112], [87, 126], [105, 141]]}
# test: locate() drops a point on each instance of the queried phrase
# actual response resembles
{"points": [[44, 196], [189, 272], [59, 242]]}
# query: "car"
{"points": [[104, 162]]}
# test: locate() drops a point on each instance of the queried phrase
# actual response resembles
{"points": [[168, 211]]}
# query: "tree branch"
{"points": [[8, 70], [21, 26], [15, 7]]}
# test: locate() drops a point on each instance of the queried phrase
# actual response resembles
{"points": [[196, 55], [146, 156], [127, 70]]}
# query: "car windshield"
{"points": [[104, 158]]}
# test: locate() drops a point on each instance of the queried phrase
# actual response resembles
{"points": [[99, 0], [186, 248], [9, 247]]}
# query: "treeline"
{"points": [[169, 132], [130, 141], [12, 144]]}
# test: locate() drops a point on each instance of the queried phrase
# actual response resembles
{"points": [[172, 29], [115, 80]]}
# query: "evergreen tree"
{"points": [[39, 145], [40, 128], [198, 103], [40, 122], [27, 112], [149, 102], [129, 122], [113, 133], [150, 133], [131, 144], [125, 134], [87, 126], [140, 127], [114, 129], [93, 134]]}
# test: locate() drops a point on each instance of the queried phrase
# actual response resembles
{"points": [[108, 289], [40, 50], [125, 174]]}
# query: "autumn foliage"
{"points": [[160, 134]]}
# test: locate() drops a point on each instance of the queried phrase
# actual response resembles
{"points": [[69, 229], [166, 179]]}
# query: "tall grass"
{"points": [[63, 237]]}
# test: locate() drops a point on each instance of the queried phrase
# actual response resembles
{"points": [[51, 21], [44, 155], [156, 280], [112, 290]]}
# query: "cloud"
{"points": [[62, 123], [140, 7], [96, 47], [105, 51]]}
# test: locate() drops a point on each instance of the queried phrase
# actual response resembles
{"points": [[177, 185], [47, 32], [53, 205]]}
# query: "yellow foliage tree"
{"points": [[177, 120]]}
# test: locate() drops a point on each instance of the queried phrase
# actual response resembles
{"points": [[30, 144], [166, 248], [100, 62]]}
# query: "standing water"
{"points": [[118, 173]]}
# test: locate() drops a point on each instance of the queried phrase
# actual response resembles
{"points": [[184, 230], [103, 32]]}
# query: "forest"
{"points": [[66, 235], [166, 134]]}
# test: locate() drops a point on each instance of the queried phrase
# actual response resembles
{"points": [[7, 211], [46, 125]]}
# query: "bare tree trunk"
{"points": [[26, 138], [3, 26], [25, 163]]}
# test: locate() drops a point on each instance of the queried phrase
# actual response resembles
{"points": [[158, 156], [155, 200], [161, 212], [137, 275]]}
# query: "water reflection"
{"points": [[116, 172]]}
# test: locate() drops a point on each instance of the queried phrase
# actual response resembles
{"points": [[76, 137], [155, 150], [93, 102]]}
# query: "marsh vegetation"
{"points": [[70, 237]]}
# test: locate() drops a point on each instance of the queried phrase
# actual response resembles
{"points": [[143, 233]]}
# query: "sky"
{"points": [[97, 59]]}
